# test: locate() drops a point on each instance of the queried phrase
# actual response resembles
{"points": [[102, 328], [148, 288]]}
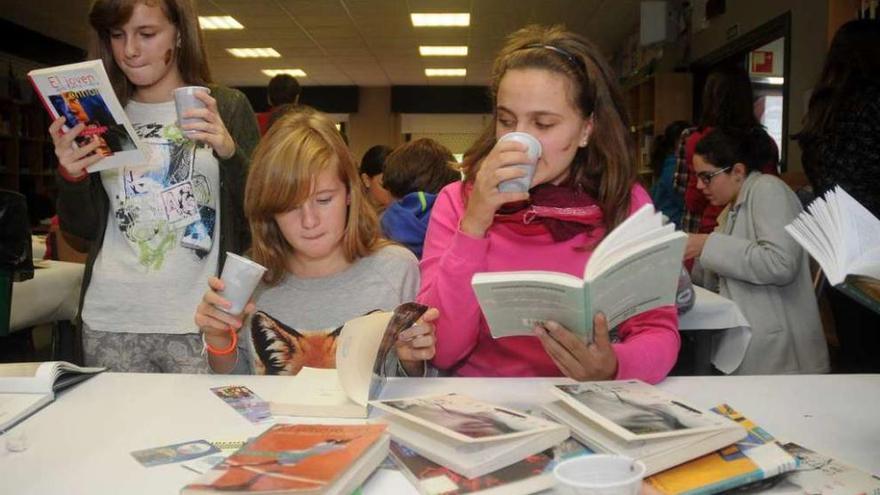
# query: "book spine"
{"points": [[727, 484]]}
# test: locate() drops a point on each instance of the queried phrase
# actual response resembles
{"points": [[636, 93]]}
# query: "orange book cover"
{"points": [[291, 459]]}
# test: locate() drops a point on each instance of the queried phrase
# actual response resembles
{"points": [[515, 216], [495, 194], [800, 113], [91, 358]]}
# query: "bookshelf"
{"points": [[653, 103], [27, 157]]}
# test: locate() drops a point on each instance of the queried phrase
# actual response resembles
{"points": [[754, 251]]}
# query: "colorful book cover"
{"points": [[754, 458], [530, 475], [291, 458]]}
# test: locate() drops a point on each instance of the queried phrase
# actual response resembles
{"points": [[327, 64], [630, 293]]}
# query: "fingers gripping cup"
{"points": [[522, 184], [185, 99], [599, 474], [240, 277]]}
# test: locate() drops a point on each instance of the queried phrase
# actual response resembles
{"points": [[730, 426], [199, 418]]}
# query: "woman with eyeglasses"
{"points": [[752, 260]]}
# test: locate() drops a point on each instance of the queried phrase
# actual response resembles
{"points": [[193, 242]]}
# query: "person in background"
{"points": [[666, 198], [414, 173], [326, 260], [145, 262], [728, 101], [750, 258], [556, 86], [372, 165], [282, 94], [840, 141]]}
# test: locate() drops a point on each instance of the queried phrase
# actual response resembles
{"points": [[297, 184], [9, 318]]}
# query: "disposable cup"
{"points": [[522, 184], [240, 277], [599, 474], [185, 99]]}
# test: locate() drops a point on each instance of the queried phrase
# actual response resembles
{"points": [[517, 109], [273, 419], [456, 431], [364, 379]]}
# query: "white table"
{"points": [[80, 444], [712, 312], [52, 295]]}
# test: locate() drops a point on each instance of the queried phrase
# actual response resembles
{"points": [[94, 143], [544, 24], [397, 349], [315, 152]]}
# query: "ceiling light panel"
{"points": [[292, 72], [445, 72], [219, 22], [443, 51], [253, 52], [437, 20]]}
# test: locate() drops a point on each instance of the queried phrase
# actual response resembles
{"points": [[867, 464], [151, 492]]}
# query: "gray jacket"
{"points": [[759, 266]]}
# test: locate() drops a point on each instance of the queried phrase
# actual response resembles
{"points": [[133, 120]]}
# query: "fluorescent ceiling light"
{"points": [[219, 22], [774, 81], [253, 52], [445, 72], [420, 20], [443, 51], [292, 72]]}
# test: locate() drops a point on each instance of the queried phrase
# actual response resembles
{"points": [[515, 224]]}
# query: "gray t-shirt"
{"points": [[295, 320], [159, 245]]}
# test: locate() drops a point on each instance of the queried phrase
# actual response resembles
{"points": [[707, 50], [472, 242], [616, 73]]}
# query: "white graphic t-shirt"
{"points": [[162, 238]]}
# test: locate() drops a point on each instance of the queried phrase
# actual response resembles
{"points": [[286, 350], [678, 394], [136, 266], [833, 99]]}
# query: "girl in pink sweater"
{"points": [[555, 86]]}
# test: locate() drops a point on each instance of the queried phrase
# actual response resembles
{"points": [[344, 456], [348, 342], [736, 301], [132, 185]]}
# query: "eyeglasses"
{"points": [[706, 177]]}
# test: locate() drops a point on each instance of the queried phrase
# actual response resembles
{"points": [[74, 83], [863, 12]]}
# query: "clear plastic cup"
{"points": [[185, 99], [522, 184], [240, 277], [599, 474]]}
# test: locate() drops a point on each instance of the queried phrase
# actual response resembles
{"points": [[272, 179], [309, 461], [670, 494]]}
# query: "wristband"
{"points": [[221, 352], [70, 178]]}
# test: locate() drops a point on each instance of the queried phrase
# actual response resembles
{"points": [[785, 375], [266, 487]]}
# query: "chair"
{"points": [[16, 257]]}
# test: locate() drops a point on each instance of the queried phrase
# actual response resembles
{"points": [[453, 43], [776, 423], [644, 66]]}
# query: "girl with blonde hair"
{"points": [[315, 232]]}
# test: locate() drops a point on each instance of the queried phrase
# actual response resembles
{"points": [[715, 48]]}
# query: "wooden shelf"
{"points": [[26, 163]]}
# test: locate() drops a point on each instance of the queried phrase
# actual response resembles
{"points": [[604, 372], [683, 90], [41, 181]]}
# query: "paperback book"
{"points": [[301, 459], [634, 269], [470, 437], [82, 93], [362, 350], [641, 421]]}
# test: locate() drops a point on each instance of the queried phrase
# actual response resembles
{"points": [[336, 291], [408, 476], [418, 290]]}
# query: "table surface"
{"points": [[52, 295], [81, 443]]}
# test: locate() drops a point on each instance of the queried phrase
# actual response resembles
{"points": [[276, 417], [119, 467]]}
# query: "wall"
{"points": [[809, 21], [373, 123]]}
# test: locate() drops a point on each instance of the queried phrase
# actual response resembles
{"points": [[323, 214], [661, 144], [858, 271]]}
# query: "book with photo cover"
{"points": [[633, 418], [635, 268], [301, 459], [756, 457], [27, 387], [362, 351], [82, 93], [530, 475], [471, 437]]}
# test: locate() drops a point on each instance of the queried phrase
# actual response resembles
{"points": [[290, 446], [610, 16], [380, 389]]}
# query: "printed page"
{"points": [[645, 219], [514, 302], [641, 279], [635, 410], [861, 240], [465, 419], [316, 392], [356, 351]]}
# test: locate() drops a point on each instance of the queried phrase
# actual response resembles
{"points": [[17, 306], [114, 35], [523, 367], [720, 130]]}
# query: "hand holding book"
{"points": [[416, 344], [74, 161], [576, 358]]}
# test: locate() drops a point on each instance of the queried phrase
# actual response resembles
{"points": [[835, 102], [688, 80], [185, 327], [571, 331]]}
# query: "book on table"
{"points": [[27, 387], [635, 268], [302, 459], [82, 93], [470, 437], [754, 458], [362, 353], [530, 475], [844, 239], [633, 418]]}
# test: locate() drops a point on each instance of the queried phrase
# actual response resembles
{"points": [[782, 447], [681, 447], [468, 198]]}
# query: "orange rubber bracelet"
{"points": [[222, 352]]}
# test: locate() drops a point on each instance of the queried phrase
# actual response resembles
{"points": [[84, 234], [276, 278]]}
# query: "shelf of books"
{"points": [[27, 159]]}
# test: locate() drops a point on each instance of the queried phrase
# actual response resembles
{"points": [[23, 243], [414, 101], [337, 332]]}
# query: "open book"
{"points": [[641, 421], [362, 349], [82, 93], [756, 457], [470, 437], [841, 235], [302, 459], [634, 269], [26, 387]]}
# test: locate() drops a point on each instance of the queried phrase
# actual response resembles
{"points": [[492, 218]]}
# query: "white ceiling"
{"points": [[356, 42]]}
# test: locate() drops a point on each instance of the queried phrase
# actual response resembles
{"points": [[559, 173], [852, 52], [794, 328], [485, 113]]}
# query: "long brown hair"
{"points": [[301, 145], [606, 168], [192, 61]]}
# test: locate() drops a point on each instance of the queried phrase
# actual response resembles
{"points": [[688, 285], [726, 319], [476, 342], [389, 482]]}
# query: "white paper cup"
{"points": [[522, 184], [185, 99], [599, 474], [240, 277]]}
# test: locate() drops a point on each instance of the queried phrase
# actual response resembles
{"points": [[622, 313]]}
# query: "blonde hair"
{"points": [[286, 163]]}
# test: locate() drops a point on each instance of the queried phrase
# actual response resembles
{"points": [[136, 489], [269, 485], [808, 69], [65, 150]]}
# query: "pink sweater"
{"points": [[648, 343]]}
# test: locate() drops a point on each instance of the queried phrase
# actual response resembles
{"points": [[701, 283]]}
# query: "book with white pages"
{"points": [[27, 387], [635, 268], [633, 418], [468, 436], [362, 351]]}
